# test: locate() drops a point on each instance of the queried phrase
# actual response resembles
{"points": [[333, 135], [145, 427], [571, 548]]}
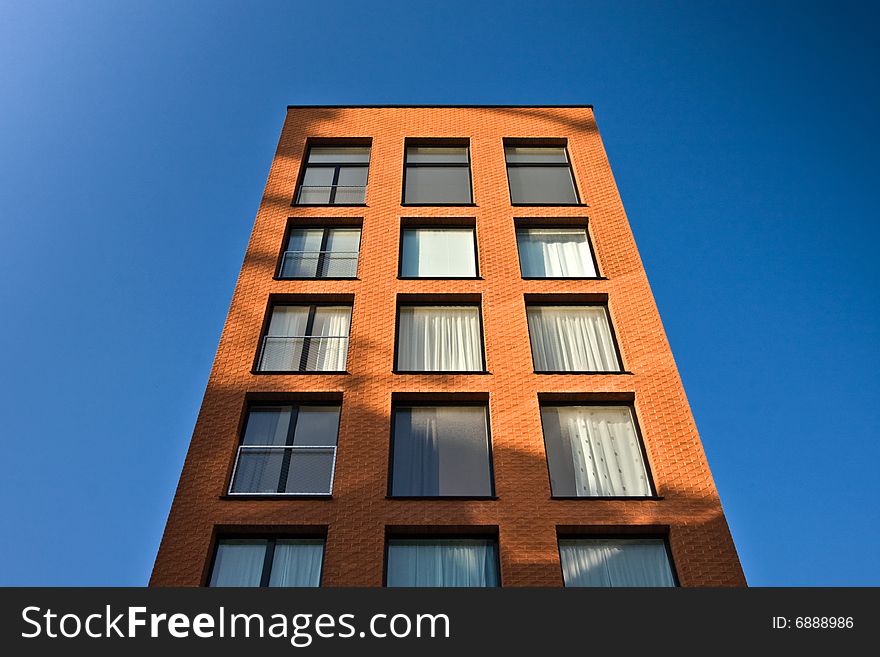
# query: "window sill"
{"points": [[610, 498], [283, 373], [624, 372], [328, 205], [565, 278], [456, 372], [315, 278], [445, 498], [440, 278], [550, 205], [438, 205], [273, 496]]}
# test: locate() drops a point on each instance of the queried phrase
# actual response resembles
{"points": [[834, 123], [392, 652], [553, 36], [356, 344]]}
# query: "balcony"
{"points": [[319, 264], [283, 470], [331, 195], [304, 353]]}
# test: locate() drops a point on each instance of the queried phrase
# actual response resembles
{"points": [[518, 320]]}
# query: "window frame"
{"points": [[347, 224], [442, 535], [585, 534], [654, 496], [542, 143], [271, 538], [589, 304], [354, 142], [428, 403], [583, 223], [313, 306], [295, 406], [437, 226], [416, 304], [428, 142]]}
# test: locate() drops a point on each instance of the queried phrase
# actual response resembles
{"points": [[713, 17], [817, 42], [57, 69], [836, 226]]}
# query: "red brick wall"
{"points": [[526, 518]]}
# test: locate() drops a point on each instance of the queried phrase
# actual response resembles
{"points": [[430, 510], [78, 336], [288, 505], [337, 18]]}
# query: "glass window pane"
{"points": [[541, 185], [609, 563], [555, 253], [441, 451], [267, 426], [439, 338], [258, 470], [301, 257], [535, 154], [351, 186], [316, 185], [238, 563], [436, 154], [437, 185], [594, 451], [438, 253], [288, 321], [442, 562], [310, 471], [339, 154], [317, 425], [297, 562], [571, 339]]}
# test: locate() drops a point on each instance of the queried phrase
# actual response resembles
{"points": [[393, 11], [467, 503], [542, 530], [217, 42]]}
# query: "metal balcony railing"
{"points": [[283, 470], [304, 353], [331, 194], [319, 264]]}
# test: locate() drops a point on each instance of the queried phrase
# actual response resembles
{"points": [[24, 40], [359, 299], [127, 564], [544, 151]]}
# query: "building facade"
{"points": [[443, 365]]}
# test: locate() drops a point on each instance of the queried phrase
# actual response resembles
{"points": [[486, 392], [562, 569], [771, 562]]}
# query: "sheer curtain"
{"points": [[305, 243], [555, 253], [238, 563], [343, 245], [329, 354], [416, 468], [259, 471], [439, 338], [449, 562], [440, 252], [604, 563], [571, 339], [297, 563], [604, 448], [280, 353]]}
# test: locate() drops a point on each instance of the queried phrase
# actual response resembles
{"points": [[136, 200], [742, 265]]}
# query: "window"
{"points": [[540, 175], [441, 451], [268, 562], [555, 253], [321, 253], [437, 175], [306, 339], [442, 562], [594, 451], [623, 562], [438, 253], [571, 339], [335, 175], [287, 450], [439, 339]]}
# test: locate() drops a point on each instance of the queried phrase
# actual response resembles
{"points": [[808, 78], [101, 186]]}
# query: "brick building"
{"points": [[443, 365]]}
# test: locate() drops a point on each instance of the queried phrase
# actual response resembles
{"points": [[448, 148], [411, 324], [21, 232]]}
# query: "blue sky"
{"points": [[135, 139]]}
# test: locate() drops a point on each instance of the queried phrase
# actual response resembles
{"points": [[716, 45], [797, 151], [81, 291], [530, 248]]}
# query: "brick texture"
{"points": [[527, 519]]}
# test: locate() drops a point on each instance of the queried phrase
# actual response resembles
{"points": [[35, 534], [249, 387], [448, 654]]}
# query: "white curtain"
{"points": [[571, 339], [605, 452], [297, 563], [457, 562], [329, 354], [343, 245], [555, 253], [604, 563], [259, 470], [416, 452], [305, 243], [438, 253], [280, 352], [238, 563], [439, 338]]}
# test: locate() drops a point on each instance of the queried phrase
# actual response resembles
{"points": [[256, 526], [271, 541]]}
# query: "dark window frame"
{"points": [[313, 306], [600, 304], [291, 431], [436, 226], [654, 496], [269, 554], [615, 536], [346, 225], [354, 142], [427, 403], [428, 142], [548, 224], [542, 143], [436, 537], [476, 304]]}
